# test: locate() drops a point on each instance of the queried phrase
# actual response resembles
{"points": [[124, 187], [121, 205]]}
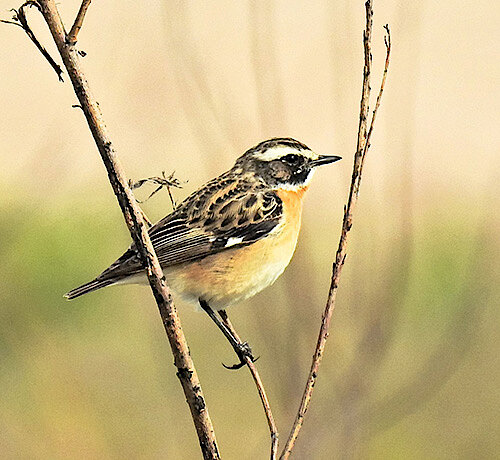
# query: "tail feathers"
{"points": [[88, 287]]}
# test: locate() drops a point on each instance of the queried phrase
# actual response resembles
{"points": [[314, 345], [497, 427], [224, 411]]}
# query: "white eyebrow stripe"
{"points": [[279, 151]]}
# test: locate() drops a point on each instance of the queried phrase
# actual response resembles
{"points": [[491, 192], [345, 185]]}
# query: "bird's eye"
{"points": [[291, 159]]}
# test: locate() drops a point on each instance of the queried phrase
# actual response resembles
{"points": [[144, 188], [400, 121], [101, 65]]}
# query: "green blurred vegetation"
{"points": [[409, 371]]}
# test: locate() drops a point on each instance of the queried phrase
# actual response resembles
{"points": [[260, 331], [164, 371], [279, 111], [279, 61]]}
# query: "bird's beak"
{"points": [[324, 160]]}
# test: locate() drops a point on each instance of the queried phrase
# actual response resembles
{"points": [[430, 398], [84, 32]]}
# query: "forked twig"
{"points": [[387, 42], [19, 19], [132, 213], [72, 37], [362, 147]]}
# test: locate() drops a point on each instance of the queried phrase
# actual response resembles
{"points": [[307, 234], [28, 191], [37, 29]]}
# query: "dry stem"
{"points": [[362, 147], [77, 25], [19, 19], [260, 387], [133, 216]]}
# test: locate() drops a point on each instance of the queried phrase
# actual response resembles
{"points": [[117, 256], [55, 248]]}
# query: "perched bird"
{"points": [[232, 237]]}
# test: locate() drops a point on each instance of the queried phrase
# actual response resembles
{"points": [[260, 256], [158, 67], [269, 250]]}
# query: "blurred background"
{"points": [[412, 365]]}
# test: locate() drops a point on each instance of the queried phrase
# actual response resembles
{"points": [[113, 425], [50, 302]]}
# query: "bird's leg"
{"points": [[242, 349]]}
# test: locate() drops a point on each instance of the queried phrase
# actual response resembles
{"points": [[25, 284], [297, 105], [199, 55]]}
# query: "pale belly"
{"points": [[234, 275]]}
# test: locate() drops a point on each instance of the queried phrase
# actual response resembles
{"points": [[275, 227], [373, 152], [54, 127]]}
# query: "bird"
{"points": [[232, 237]]}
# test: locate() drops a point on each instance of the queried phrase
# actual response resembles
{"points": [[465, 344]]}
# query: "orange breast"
{"points": [[292, 205]]}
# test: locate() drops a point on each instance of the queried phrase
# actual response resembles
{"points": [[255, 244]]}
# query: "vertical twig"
{"points": [[363, 144], [260, 387], [133, 216]]}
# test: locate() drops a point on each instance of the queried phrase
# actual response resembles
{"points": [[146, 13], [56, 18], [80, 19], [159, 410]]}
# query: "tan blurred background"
{"points": [[412, 367]]}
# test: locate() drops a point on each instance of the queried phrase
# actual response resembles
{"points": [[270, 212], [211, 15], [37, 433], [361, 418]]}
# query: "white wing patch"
{"points": [[233, 241]]}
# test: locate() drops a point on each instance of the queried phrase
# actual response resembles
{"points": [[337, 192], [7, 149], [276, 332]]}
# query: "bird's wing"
{"points": [[206, 224]]}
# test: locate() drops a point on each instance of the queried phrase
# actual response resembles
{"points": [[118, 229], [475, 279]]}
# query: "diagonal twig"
{"points": [[132, 213], [19, 19], [260, 388], [362, 147], [72, 36]]}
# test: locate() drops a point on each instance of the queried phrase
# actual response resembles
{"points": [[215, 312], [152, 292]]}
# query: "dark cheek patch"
{"points": [[280, 171]]}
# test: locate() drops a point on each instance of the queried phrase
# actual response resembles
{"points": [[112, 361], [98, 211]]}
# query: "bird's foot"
{"points": [[244, 351]]}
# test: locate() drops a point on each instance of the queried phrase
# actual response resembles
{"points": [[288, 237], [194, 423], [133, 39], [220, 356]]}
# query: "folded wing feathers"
{"points": [[195, 231]]}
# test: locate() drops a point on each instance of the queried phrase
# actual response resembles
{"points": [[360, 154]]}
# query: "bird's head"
{"points": [[283, 163]]}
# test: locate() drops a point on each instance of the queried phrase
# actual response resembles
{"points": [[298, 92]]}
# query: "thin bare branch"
{"points": [[186, 371], [77, 25], [146, 219], [362, 148], [387, 42], [260, 387], [267, 407], [19, 19]]}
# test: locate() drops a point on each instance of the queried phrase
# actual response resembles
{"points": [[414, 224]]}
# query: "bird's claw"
{"points": [[243, 351], [239, 365]]}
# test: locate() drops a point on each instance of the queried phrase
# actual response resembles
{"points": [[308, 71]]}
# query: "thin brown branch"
{"points": [[260, 387], [146, 219], [387, 42], [186, 371], [362, 147], [19, 19], [77, 25], [267, 407]]}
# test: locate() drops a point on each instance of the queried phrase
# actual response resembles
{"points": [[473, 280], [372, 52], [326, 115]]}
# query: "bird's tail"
{"points": [[89, 287]]}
